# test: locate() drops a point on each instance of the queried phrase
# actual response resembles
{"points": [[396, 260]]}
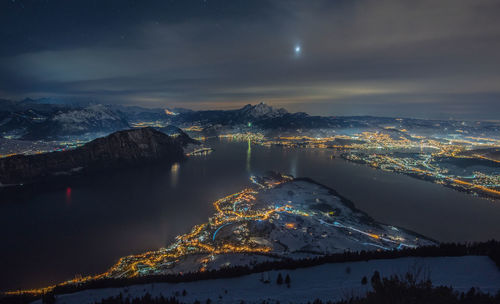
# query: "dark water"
{"points": [[49, 236]]}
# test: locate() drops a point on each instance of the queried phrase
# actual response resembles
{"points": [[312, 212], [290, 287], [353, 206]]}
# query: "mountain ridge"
{"points": [[36, 120], [122, 148]]}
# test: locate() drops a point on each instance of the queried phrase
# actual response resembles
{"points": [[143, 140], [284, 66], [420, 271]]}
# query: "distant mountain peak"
{"points": [[262, 110]]}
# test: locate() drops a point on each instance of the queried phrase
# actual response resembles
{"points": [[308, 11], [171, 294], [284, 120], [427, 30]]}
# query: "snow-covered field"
{"points": [[327, 282]]}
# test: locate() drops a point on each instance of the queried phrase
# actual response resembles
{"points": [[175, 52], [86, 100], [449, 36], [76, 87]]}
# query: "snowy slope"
{"points": [[281, 218], [260, 111], [90, 118], [327, 282]]}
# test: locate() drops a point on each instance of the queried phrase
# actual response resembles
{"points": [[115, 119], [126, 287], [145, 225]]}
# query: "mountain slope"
{"points": [[180, 135], [249, 113], [327, 282], [118, 149], [94, 118], [279, 218]]}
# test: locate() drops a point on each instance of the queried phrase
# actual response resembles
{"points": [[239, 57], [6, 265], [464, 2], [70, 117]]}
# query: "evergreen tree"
{"points": [[287, 281], [279, 280], [376, 280], [48, 298]]}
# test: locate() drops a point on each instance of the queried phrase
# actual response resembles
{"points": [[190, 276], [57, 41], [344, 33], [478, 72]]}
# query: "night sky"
{"points": [[430, 59]]}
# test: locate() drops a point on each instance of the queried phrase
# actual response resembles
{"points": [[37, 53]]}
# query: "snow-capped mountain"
{"points": [[261, 111], [94, 118], [51, 118], [39, 119]]}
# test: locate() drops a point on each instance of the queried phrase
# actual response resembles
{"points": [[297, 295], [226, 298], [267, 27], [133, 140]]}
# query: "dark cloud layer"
{"points": [[435, 59]]}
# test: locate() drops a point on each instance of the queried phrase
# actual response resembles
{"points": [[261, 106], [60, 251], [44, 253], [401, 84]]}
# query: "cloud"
{"points": [[358, 57]]}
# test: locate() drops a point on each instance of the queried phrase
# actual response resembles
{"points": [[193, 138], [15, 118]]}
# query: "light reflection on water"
{"points": [[249, 156], [174, 174]]}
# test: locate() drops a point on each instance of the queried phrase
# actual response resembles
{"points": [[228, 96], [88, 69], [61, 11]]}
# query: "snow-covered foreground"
{"points": [[327, 282]]}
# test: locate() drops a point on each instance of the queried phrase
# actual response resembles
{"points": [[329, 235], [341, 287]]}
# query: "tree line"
{"points": [[489, 248], [396, 289]]}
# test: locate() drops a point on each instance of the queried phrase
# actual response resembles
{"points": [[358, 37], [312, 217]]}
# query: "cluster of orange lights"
{"points": [[130, 266]]}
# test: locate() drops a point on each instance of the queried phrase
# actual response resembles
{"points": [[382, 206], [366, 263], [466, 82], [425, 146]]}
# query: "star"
{"points": [[297, 49]]}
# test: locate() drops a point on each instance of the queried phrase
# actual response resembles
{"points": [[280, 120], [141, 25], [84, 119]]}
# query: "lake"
{"points": [[48, 236]]}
